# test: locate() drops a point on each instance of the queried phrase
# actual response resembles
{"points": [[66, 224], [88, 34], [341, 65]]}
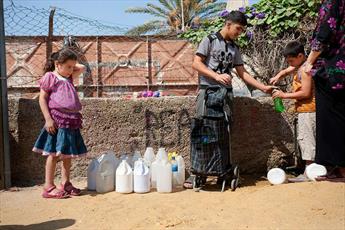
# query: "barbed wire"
{"points": [[116, 64], [32, 21]]}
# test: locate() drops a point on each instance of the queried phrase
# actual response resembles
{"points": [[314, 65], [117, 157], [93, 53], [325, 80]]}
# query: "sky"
{"points": [[105, 11]]}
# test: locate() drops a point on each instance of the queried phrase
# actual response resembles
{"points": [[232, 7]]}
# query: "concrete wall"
{"points": [[262, 138]]}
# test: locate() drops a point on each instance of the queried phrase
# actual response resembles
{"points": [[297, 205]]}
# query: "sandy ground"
{"points": [[256, 205]]}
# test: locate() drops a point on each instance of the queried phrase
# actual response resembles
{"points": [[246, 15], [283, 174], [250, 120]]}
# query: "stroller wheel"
{"points": [[197, 182], [236, 172], [223, 185], [234, 184]]}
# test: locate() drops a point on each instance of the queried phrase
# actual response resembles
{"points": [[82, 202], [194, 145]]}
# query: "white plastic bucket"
{"points": [[276, 176], [315, 170]]}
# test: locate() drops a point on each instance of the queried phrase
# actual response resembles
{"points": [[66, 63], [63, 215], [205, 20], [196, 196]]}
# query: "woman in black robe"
{"points": [[326, 62]]}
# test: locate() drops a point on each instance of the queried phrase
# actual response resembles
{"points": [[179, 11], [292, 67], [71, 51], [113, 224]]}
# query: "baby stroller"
{"points": [[210, 142]]}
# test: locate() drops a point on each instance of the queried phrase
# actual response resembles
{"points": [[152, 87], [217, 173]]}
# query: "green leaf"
{"points": [[281, 11], [310, 3]]}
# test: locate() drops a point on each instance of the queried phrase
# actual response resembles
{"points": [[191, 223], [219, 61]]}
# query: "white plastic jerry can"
{"points": [[162, 154], [154, 171], [124, 178], [112, 157], [149, 155], [141, 177], [127, 157], [181, 171], [91, 175], [164, 177], [105, 174], [136, 156]]}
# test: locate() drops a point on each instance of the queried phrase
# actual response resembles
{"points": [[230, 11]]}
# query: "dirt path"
{"points": [[254, 206]]}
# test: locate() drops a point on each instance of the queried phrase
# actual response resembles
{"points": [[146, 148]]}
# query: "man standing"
{"points": [[216, 56]]}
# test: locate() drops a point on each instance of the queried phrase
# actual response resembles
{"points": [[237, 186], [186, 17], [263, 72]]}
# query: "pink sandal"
{"points": [[47, 193], [70, 189]]}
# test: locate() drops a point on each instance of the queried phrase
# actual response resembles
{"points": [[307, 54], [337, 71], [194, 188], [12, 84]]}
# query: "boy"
{"points": [[216, 56], [303, 93]]}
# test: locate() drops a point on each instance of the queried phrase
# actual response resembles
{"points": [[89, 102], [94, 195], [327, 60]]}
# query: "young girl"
{"points": [[60, 137]]}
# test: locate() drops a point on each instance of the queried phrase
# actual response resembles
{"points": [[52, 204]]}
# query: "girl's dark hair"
{"points": [[60, 56]]}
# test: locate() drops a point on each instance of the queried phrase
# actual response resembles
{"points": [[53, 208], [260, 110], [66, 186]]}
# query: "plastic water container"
{"points": [[124, 178], [164, 177], [314, 170], [105, 173], [127, 157], [276, 176], [181, 171], [162, 154], [136, 156], [91, 174], [174, 169], [141, 177], [112, 157], [149, 155], [154, 170]]}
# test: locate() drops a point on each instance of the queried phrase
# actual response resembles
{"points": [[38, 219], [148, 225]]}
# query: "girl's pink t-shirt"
{"points": [[63, 102], [62, 93]]}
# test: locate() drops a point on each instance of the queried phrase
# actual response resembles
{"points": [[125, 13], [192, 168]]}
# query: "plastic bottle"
{"points": [[128, 158], [141, 177], [136, 156], [174, 169], [278, 103], [154, 171], [149, 156], [161, 154], [164, 177], [91, 174], [181, 171], [105, 174], [124, 178]]}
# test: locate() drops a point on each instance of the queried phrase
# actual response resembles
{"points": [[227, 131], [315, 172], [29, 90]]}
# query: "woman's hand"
{"points": [[50, 126]]}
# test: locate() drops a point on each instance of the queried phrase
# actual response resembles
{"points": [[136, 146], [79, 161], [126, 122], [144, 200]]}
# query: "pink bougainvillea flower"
{"points": [[341, 64], [332, 23]]}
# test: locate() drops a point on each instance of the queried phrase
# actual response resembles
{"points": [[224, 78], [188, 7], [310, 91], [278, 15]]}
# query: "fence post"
{"points": [[50, 33], [149, 62], [5, 169], [99, 69]]}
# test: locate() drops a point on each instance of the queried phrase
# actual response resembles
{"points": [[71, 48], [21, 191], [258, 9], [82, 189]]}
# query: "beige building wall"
{"points": [[235, 4]]}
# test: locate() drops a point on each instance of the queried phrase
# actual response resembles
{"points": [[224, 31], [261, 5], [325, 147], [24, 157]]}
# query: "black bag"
{"points": [[210, 148], [210, 136]]}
